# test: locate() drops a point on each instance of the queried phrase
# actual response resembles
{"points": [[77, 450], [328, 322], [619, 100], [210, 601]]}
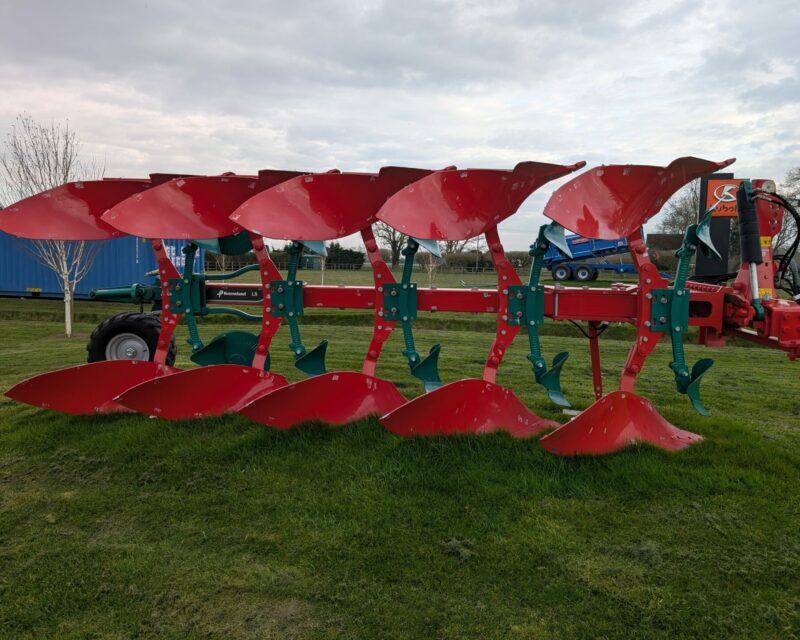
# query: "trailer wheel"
{"points": [[127, 336], [583, 273], [562, 272], [595, 274]]}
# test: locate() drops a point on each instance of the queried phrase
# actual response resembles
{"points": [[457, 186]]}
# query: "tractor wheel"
{"points": [[127, 336], [583, 273], [562, 272]]}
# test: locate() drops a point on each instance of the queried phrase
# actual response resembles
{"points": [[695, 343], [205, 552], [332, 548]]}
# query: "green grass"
{"points": [[128, 527]]}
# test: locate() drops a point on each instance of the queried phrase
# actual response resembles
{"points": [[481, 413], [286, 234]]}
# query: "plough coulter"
{"points": [[233, 214]]}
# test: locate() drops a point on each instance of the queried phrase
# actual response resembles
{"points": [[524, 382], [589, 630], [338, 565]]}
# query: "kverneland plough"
{"points": [[232, 214]]}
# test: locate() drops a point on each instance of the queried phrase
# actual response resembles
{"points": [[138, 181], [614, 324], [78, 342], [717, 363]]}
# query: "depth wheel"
{"points": [[128, 336]]}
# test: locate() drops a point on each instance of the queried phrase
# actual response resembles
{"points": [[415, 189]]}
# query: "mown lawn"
{"points": [[124, 526]]}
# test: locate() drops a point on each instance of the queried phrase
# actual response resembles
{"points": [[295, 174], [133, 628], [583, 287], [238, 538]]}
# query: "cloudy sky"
{"points": [[210, 86]]}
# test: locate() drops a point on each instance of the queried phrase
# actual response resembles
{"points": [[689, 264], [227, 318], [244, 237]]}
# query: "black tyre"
{"points": [[127, 336], [583, 273], [561, 272]]}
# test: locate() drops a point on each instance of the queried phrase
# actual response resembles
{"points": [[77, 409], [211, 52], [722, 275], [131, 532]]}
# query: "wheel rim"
{"points": [[127, 346], [583, 274], [561, 274]]}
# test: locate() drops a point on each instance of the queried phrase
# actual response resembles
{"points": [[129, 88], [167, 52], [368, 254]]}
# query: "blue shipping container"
{"points": [[120, 262]]}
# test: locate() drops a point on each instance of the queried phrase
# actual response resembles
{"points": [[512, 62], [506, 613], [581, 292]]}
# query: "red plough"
{"points": [[232, 214]]}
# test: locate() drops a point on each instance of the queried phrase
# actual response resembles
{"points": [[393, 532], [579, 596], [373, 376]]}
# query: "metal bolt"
{"points": [[649, 296], [663, 299], [394, 292], [405, 318], [648, 281], [405, 286], [645, 339], [646, 323], [539, 365], [677, 329], [662, 319], [380, 289], [503, 332], [291, 314], [679, 292]]}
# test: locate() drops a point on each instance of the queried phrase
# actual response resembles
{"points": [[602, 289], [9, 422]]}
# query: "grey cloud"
{"points": [[209, 86]]}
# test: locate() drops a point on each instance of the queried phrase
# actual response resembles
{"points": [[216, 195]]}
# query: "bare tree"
{"points": [[790, 189], [448, 247], [392, 239], [681, 209], [431, 264], [36, 157], [220, 261]]}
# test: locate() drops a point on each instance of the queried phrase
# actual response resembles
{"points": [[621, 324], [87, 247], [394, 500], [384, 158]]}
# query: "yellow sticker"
{"points": [[763, 293], [766, 242]]}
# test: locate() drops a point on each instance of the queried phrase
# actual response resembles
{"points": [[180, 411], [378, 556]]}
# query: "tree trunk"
{"points": [[395, 248], [69, 312]]}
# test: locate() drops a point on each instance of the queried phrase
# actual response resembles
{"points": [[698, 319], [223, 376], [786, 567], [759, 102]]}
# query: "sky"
{"points": [[210, 86]]}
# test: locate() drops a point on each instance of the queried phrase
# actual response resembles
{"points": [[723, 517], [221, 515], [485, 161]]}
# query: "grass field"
{"points": [[129, 527]]}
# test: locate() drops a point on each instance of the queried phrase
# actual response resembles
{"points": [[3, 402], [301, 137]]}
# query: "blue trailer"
{"points": [[575, 268], [122, 260]]}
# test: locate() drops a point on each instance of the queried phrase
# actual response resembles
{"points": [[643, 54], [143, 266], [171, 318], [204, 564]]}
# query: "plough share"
{"points": [[233, 214]]}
